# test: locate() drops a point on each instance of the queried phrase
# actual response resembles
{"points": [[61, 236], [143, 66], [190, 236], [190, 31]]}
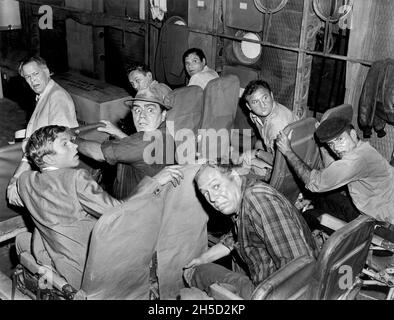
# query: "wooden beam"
{"points": [[95, 19]]}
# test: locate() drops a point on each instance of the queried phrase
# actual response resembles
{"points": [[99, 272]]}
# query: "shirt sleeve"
{"points": [[336, 175], [62, 110], [134, 147], [92, 197], [277, 227]]}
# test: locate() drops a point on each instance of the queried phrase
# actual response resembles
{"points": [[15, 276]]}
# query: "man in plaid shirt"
{"points": [[268, 232]]}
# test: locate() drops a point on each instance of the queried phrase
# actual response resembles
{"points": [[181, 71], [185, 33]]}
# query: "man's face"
{"points": [[147, 116], [65, 154], [261, 102], [139, 80], [221, 191], [193, 64], [37, 76], [344, 143]]}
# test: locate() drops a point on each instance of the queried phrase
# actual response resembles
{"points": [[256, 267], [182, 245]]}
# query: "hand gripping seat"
{"points": [[303, 143], [333, 276]]}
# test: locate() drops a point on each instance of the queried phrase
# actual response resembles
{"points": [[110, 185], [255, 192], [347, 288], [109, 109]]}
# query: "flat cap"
{"points": [[331, 128]]}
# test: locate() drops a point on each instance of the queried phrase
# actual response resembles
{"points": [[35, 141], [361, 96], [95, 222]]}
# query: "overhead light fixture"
{"points": [[10, 17]]}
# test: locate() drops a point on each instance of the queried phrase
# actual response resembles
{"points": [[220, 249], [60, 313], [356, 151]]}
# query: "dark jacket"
{"points": [[376, 106]]}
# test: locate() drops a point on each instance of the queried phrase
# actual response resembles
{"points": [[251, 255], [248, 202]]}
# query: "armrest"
{"points": [[289, 282], [379, 240]]}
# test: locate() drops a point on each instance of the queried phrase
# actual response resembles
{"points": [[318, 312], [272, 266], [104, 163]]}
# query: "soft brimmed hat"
{"points": [[152, 94], [331, 128]]}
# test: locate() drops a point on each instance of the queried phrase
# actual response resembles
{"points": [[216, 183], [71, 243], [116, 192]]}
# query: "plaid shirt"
{"points": [[269, 230]]}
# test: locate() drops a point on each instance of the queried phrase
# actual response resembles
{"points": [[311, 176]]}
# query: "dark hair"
{"points": [[40, 143], [197, 51], [140, 67], [40, 61], [253, 86]]}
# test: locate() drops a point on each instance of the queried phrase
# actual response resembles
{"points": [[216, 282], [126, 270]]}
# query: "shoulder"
{"points": [[58, 92]]}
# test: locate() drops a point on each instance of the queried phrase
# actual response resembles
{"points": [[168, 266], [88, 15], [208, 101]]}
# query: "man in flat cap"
{"points": [[149, 111], [368, 175]]}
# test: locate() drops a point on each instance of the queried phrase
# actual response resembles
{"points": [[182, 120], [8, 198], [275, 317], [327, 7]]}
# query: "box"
{"points": [[94, 101]]}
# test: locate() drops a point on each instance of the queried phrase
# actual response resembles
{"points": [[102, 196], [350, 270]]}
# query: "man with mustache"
{"points": [[268, 232]]}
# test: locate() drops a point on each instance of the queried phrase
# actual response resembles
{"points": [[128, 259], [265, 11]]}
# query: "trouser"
{"points": [[32, 243], [210, 273]]}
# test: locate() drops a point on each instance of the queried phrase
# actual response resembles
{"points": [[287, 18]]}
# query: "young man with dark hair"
{"points": [[270, 117], [196, 67]]}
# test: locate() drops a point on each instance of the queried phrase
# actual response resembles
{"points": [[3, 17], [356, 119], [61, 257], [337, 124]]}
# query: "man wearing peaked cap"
{"points": [[368, 175], [149, 110]]}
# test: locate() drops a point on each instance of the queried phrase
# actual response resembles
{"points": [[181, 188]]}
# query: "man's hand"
{"points": [[283, 142], [111, 129], [195, 262], [13, 194], [170, 174], [247, 157]]}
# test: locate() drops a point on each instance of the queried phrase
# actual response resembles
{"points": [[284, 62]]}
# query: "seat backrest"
{"points": [[10, 218], [342, 259], [169, 220], [184, 119], [221, 97], [288, 283], [342, 111], [303, 143]]}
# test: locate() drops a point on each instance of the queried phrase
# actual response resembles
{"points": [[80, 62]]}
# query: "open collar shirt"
{"points": [[269, 231]]}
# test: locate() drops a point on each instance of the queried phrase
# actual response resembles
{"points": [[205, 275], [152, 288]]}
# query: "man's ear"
{"points": [[48, 159], [272, 95], [353, 134], [46, 71], [204, 61], [149, 75], [163, 115]]}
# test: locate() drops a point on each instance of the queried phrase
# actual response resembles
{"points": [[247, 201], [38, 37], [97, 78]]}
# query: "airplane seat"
{"points": [[221, 97], [303, 143], [184, 119], [334, 275], [169, 221], [11, 219]]}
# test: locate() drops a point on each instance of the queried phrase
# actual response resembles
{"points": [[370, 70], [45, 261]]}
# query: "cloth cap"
{"points": [[331, 128], [155, 94]]}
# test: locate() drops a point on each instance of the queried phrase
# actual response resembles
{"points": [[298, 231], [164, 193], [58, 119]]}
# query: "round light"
{"points": [[247, 52], [249, 49]]}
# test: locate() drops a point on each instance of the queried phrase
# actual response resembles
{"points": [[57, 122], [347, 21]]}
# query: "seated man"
{"points": [[268, 231], [149, 113], [269, 117], [368, 175], [64, 202], [196, 68]]}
